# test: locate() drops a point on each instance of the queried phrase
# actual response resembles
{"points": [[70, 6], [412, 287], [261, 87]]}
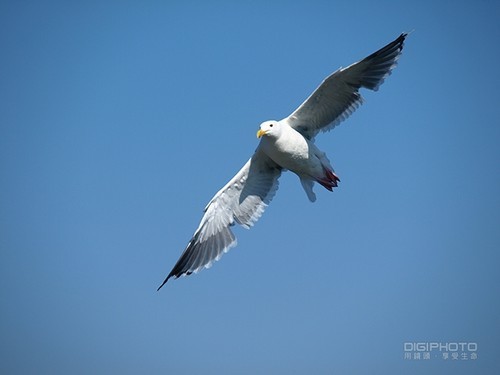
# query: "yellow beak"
{"points": [[260, 133]]}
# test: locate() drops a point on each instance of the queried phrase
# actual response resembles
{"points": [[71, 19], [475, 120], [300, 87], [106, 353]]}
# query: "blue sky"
{"points": [[120, 120]]}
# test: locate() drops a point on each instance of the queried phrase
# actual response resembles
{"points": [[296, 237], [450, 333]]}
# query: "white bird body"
{"points": [[287, 144], [292, 151], [289, 149]]}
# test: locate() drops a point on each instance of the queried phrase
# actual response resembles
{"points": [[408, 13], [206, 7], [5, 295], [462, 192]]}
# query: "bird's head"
{"points": [[269, 128]]}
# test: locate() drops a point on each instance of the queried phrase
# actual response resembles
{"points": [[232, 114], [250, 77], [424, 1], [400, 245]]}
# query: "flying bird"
{"points": [[287, 144]]}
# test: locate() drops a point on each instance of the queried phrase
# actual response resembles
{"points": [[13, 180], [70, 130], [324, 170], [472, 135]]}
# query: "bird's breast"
{"points": [[292, 152]]}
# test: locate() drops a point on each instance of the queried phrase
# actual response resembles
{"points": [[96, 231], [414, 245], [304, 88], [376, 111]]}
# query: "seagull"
{"points": [[287, 144]]}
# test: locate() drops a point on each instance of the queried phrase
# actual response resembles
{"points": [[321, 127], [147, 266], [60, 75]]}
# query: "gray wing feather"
{"points": [[338, 95], [242, 200]]}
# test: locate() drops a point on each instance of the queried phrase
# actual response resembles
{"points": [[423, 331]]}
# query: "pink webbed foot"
{"points": [[329, 181]]}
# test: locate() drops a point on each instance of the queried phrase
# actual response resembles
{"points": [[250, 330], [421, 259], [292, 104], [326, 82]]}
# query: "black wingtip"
{"points": [[401, 39], [164, 282]]}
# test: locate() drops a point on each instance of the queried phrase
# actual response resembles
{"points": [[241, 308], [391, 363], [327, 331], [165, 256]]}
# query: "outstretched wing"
{"points": [[241, 200], [338, 95]]}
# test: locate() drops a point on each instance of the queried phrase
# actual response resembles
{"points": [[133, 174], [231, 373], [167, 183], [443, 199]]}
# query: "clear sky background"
{"points": [[120, 120]]}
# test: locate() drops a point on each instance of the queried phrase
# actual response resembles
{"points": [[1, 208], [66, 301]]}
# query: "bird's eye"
{"points": [[270, 125]]}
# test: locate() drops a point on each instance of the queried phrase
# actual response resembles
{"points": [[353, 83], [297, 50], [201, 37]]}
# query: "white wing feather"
{"points": [[338, 95], [242, 200]]}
